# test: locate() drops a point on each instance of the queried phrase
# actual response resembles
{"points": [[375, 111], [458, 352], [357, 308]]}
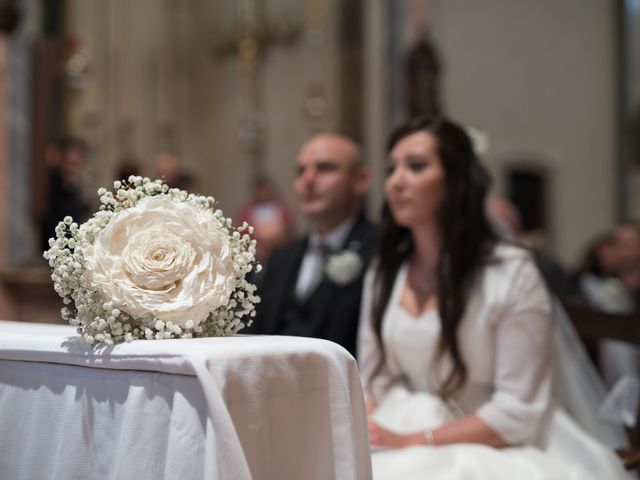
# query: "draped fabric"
{"points": [[217, 408]]}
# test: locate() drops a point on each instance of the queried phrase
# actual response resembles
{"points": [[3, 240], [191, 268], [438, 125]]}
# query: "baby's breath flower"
{"points": [[98, 318]]}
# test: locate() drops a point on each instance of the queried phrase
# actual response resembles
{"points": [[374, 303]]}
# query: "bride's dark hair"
{"points": [[466, 239]]}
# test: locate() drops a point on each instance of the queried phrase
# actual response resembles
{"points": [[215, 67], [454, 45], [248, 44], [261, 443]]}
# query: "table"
{"points": [[262, 407]]}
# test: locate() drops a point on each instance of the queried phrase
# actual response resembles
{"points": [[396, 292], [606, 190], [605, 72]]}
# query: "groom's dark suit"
{"points": [[331, 311]]}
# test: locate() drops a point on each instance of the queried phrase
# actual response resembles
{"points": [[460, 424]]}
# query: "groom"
{"points": [[312, 286]]}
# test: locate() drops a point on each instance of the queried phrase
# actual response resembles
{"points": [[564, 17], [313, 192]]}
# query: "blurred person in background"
{"points": [[627, 237], [166, 168], [505, 221], [599, 284], [597, 277], [66, 161], [269, 216], [312, 286], [127, 166]]}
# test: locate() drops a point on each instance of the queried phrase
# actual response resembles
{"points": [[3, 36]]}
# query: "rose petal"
{"points": [[162, 258]]}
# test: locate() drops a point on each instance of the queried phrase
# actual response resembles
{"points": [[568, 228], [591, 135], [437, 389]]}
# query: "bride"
{"points": [[455, 343]]}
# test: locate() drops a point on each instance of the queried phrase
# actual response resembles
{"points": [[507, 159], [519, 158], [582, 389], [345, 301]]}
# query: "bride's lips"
{"points": [[399, 201]]}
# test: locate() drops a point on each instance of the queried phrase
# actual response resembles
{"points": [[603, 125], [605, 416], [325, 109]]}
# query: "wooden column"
{"points": [[7, 307]]}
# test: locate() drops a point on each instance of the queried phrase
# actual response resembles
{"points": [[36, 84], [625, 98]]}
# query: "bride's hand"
{"points": [[370, 406], [381, 437]]}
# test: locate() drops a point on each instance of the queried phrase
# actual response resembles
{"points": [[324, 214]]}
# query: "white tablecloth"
{"points": [[230, 408]]}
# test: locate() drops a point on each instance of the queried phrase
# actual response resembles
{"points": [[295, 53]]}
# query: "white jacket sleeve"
{"points": [[519, 408]]}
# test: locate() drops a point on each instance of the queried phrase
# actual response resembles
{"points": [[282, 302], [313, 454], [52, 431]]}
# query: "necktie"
{"points": [[312, 270]]}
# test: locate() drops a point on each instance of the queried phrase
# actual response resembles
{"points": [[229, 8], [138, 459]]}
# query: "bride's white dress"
{"points": [[506, 342]]}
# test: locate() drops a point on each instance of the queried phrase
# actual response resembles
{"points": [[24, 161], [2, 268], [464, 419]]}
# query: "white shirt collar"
{"points": [[335, 238]]}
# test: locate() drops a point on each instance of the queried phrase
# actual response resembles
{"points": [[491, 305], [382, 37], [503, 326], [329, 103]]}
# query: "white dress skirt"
{"points": [[506, 342]]}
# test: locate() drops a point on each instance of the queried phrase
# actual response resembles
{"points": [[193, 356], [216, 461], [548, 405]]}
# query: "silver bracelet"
{"points": [[428, 435]]}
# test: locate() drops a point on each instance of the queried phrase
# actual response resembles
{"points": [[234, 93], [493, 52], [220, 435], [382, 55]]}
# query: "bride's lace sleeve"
{"points": [[376, 378], [519, 409]]}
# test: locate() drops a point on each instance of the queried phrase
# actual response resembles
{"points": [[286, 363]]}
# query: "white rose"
{"points": [[344, 267], [162, 259]]}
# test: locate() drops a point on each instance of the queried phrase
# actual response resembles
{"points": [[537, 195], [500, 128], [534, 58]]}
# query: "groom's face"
{"points": [[327, 178]]}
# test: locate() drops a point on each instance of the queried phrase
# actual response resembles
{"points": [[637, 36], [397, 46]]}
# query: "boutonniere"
{"points": [[343, 267], [612, 286]]}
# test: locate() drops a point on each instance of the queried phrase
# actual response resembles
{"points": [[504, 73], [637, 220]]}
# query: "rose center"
{"points": [[156, 260], [159, 255]]}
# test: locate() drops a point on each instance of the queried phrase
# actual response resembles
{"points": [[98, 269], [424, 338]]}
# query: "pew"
{"points": [[594, 325]]}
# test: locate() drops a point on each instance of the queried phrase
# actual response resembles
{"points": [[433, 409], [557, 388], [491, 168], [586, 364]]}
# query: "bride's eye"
{"points": [[417, 165], [389, 168]]}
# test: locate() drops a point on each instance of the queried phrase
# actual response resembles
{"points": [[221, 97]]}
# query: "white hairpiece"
{"points": [[479, 140]]}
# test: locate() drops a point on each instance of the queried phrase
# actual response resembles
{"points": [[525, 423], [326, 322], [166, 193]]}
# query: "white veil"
{"points": [[579, 387]]}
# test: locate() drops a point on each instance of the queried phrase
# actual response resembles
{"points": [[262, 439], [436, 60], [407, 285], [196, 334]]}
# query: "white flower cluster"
{"points": [[344, 267], [153, 263], [479, 140]]}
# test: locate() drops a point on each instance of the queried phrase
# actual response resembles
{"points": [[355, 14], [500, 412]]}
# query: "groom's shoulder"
{"points": [[367, 234], [288, 250]]}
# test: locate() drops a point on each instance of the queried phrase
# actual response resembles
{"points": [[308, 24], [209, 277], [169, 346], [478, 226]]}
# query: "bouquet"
{"points": [[152, 263]]}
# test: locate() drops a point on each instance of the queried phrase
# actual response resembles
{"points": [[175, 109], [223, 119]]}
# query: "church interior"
{"points": [[221, 92], [217, 97]]}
